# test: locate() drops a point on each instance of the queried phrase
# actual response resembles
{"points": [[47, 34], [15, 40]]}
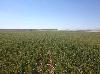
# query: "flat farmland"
{"points": [[49, 52]]}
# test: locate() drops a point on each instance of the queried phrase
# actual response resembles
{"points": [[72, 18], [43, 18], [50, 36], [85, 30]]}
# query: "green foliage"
{"points": [[72, 52]]}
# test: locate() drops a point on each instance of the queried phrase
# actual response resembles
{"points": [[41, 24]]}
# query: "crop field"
{"points": [[49, 52]]}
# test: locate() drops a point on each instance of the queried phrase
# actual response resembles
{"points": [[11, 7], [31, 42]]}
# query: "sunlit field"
{"points": [[49, 52]]}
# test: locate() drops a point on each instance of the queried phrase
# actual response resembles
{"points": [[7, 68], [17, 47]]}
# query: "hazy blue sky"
{"points": [[61, 14]]}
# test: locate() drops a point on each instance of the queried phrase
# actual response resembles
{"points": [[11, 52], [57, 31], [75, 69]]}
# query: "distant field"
{"points": [[25, 30], [49, 52]]}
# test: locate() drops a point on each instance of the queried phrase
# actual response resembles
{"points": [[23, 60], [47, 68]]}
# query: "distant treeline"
{"points": [[10, 30]]}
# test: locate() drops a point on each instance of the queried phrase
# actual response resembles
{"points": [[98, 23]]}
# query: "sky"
{"points": [[47, 14]]}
